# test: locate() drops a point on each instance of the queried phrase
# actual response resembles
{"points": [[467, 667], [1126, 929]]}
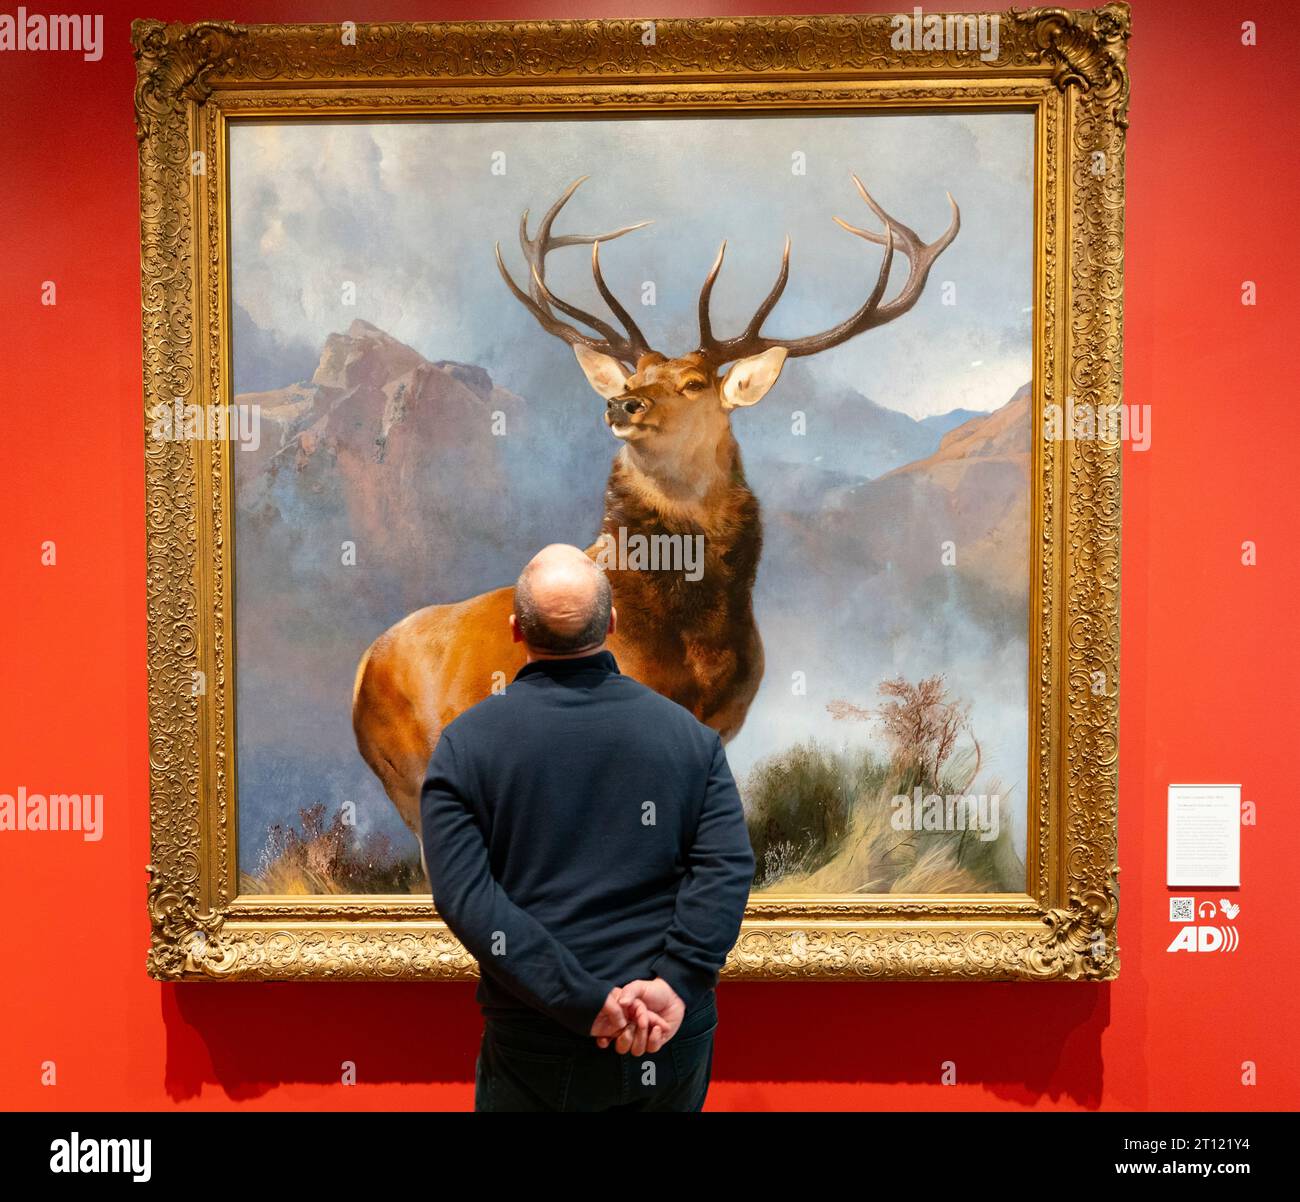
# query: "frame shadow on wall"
{"points": [[1021, 1043]]}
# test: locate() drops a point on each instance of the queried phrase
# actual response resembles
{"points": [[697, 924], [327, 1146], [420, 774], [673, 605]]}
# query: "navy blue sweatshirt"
{"points": [[581, 831]]}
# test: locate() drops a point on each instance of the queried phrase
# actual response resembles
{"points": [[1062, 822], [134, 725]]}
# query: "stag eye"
{"points": [[693, 386]]}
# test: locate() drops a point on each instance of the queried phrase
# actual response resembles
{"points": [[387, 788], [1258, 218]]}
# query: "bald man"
{"points": [[585, 841]]}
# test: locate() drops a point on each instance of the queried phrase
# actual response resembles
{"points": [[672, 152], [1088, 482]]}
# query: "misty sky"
{"points": [[409, 212]]}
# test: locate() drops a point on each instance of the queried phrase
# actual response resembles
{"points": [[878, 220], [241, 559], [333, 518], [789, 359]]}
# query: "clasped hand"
{"points": [[641, 1017]]}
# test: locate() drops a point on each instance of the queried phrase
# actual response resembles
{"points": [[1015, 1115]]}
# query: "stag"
{"points": [[678, 473]]}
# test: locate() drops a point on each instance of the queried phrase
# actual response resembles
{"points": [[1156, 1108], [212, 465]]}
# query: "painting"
{"points": [[775, 319], [846, 558]]}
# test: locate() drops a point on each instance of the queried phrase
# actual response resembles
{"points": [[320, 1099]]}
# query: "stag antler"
{"points": [[920, 259], [541, 301]]}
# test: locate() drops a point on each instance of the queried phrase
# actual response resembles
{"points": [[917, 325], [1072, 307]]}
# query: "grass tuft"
{"points": [[331, 858]]}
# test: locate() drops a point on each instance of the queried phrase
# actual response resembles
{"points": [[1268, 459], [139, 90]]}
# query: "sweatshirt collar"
{"points": [[600, 661]]}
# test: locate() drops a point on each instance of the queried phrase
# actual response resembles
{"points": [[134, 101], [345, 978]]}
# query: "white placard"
{"points": [[1204, 835]]}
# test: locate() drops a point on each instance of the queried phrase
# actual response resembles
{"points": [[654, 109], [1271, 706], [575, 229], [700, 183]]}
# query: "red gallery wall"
{"points": [[1208, 673]]}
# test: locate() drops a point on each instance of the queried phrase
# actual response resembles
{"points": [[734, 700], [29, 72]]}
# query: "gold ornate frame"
{"points": [[1066, 66]]}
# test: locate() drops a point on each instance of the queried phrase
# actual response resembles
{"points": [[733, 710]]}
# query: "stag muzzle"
{"points": [[621, 409]]}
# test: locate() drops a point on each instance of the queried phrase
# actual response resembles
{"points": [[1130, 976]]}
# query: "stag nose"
{"points": [[627, 406]]}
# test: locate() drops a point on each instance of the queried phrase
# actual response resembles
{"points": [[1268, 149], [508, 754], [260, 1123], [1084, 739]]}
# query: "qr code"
{"points": [[1182, 909]]}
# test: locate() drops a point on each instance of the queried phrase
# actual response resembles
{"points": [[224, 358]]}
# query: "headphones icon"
{"points": [[1207, 909]]}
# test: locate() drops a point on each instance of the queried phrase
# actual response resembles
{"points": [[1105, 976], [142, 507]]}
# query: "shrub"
{"points": [[798, 805], [331, 859]]}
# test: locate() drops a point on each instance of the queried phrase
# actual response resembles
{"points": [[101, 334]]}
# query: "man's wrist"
{"points": [[685, 980], [594, 1012]]}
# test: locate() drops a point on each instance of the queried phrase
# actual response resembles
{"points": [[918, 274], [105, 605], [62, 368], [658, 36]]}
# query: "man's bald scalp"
{"points": [[562, 601]]}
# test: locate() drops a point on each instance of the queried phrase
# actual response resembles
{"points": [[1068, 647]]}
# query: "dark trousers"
{"points": [[528, 1063]]}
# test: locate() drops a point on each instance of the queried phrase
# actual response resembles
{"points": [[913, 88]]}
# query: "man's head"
{"points": [[562, 604]]}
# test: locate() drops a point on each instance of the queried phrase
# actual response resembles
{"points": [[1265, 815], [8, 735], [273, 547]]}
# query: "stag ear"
{"points": [[748, 380], [604, 373]]}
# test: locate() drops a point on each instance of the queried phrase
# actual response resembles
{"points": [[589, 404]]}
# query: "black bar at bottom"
{"points": [[254, 1150]]}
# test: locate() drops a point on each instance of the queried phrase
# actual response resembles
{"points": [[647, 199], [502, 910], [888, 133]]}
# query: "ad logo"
{"points": [[1206, 939]]}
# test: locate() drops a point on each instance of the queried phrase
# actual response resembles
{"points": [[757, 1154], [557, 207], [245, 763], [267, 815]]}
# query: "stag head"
{"points": [[673, 409]]}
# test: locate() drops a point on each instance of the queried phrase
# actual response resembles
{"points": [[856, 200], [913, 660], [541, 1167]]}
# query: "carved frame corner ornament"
{"points": [[1067, 66], [1087, 49]]}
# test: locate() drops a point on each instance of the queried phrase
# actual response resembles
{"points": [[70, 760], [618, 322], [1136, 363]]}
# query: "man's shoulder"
{"points": [[500, 711], [651, 698], [667, 714], [482, 715]]}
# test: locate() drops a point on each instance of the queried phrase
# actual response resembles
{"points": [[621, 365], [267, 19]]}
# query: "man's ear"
{"points": [[749, 379], [516, 635], [604, 374]]}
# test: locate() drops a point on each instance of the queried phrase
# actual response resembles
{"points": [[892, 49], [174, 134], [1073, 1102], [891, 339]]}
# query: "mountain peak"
{"points": [[364, 352], [1004, 432]]}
